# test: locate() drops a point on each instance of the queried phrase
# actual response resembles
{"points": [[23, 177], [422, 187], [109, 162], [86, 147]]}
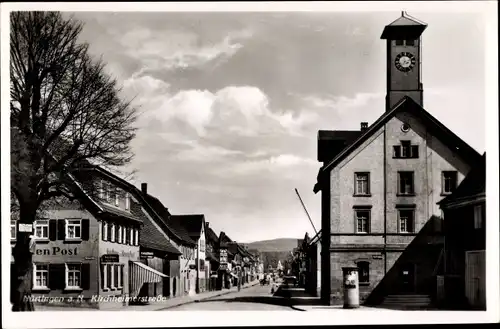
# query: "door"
{"points": [[407, 278], [475, 278]]}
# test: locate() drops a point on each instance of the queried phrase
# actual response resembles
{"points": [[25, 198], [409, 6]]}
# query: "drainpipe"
{"points": [[385, 199]]}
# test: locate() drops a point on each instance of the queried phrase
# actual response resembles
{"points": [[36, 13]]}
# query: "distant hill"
{"points": [[276, 245]]}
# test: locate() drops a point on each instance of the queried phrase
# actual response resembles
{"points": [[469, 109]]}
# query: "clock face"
{"points": [[405, 61]]}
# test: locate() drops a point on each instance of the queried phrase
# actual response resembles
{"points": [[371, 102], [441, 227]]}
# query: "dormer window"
{"points": [[117, 197], [127, 201], [405, 151]]}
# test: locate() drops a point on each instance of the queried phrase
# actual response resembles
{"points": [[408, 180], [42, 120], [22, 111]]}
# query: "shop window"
{"points": [[449, 182], [13, 229], [40, 276], [73, 229], [364, 272], [406, 220], [73, 276], [405, 183], [362, 220]]}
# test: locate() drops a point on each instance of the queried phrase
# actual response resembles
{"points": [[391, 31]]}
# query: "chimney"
{"points": [[144, 188], [364, 126]]}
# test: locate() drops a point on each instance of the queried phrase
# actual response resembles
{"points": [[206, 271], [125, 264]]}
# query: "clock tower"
{"points": [[404, 64]]}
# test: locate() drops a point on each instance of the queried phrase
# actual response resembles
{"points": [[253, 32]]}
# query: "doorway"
{"points": [[407, 278]]}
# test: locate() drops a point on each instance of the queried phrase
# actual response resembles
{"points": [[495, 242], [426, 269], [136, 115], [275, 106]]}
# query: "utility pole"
{"points": [[296, 191]]}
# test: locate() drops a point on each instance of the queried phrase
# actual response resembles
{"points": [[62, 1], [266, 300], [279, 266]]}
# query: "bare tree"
{"points": [[64, 111]]}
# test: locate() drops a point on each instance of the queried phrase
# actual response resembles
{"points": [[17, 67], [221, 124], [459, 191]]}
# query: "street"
{"points": [[256, 298]]}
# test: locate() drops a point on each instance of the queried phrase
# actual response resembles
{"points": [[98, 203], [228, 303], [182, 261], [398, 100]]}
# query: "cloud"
{"points": [[178, 49]]}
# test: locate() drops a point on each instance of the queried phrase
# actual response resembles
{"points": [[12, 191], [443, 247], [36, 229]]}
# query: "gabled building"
{"points": [[89, 246], [178, 267], [380, 185], [199, 267], [464, 280], [212, 256]]}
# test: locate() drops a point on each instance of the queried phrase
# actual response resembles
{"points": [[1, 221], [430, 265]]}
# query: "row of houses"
{"points": [[116, 244], [403, 199]]}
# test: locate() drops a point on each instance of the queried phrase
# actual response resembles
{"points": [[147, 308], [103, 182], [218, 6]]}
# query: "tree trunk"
{"points": [[22, 280]]}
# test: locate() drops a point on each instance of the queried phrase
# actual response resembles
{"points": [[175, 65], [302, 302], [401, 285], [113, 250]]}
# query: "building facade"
{"points": [[463, 284], [87, 250], [380, 185]]}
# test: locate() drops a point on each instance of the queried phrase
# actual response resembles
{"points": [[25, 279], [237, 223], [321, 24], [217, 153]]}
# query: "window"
{"points": [[125, 237], [104, 227], [104, 276], [406, 220], [400, 42], [42, 229], [362, 186], [127, 201], [113, 232], [109, 276], [107, 191], [73, 276], [364, 272], [119, 277], [101, 190], [478, 216], [449, 182], [40, 276], [117, 197], [362, 220], [405, 183], [136, 237], [73, 228], [120, 233], [405, 151], [13, 229], [410, 42]]}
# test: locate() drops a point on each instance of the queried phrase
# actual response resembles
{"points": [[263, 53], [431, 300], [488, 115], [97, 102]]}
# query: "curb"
{"points": [[204, 298]]}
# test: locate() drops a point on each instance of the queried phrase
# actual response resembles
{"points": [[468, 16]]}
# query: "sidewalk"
{"points": [[153, 306]]}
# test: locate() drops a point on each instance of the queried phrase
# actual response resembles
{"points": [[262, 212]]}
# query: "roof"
{"points": [[210, 235], [209, 255], [175, 223], [473, 185], [405, 25], [347, 135], [406, 104], [192, 223], [164, 216], [114, 211], [150, 236]]}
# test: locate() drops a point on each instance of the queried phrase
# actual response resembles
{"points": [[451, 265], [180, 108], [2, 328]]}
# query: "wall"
{"points": [[58, 252], [201, 248], [347, 248]]}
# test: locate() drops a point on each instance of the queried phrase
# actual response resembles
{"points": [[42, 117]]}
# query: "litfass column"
{"points": [[351, 287]]}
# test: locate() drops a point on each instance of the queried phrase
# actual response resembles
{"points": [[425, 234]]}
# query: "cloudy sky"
{"points": [[231, 103]]}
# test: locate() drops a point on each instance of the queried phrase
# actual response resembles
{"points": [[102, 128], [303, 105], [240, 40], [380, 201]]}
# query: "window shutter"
{"points": [[397, 151], [85, 229], [57, 276], [115, 274], [414, 151], [121, 275], [109, 231], [53, 229], [61, 229], [85, 276], [103, 276]]}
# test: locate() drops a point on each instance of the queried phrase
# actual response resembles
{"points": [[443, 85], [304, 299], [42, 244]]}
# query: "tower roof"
{"points": [[405, 26]]}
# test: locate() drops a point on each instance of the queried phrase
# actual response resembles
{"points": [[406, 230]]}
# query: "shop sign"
{"points": [[147, 254], [223, 267], [56, 251], [110, 258], [377, 256], [129, 254], [25, 227]]}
